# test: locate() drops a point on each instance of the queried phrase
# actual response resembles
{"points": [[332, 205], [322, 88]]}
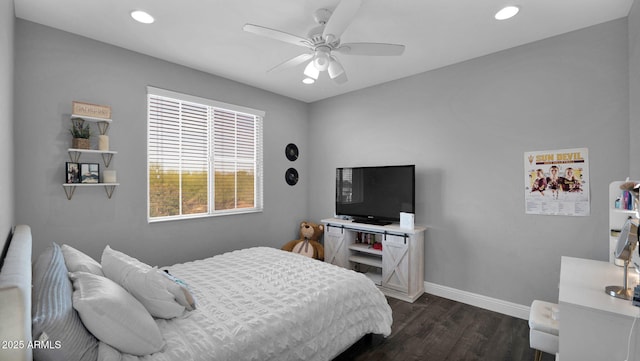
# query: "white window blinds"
{"points": [[203, 157]]}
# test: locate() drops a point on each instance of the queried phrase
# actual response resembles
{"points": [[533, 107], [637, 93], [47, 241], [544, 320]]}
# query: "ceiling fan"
{"points": [[323, 41]]}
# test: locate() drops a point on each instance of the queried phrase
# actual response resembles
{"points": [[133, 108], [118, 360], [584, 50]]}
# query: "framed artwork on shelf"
{"points": [[89, 172], [72, 171]]}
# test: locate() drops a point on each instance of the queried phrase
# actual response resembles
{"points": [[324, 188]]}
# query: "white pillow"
{"points": [[108, 353], [76, 261], [113, 316], [155, 291]]}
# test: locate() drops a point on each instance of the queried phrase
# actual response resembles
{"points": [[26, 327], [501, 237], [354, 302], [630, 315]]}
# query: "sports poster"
{"points": [[556, 182]]}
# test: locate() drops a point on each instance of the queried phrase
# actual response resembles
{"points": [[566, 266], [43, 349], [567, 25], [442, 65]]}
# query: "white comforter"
{"points": [[265, 304]]}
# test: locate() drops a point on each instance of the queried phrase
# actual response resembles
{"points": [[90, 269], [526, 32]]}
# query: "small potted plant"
{"points": [[81, 133]]}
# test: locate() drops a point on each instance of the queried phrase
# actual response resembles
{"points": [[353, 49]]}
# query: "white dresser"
{"points": [[593, 325]]}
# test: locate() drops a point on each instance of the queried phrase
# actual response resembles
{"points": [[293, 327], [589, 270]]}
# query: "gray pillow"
{"points": [[54, 318]]}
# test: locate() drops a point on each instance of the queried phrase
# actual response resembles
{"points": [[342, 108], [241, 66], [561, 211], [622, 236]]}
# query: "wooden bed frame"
{"points": [[15, 297]]}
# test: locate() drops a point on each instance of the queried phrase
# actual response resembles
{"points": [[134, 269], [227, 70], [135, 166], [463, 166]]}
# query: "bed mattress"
{"points": [[265, 304]]}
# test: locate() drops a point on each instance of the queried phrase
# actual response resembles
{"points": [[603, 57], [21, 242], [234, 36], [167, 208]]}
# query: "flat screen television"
{"points": [[375, 195]]}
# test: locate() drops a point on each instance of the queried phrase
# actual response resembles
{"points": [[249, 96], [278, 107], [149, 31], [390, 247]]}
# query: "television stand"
{"points": [[397, 269], [376, 222]]}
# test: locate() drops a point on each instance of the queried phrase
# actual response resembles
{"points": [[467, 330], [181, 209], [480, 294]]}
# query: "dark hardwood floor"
{"points": [[437, 329]]}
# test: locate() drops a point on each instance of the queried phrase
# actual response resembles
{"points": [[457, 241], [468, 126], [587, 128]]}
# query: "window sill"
{"points": [[203, 215]]}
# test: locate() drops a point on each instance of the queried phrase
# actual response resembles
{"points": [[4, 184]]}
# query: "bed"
{"points": [[252, 304]]}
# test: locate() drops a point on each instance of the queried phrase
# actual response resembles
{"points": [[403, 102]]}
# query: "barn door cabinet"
{"points": [[397, 269]]}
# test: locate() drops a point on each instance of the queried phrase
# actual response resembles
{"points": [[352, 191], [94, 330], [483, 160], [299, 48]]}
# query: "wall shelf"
{"points": [[70, 188], [107, 155], [103, 124], [617, 218]]}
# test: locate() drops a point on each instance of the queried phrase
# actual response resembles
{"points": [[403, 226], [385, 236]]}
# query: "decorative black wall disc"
{"points": [[291, 176], [291, 151]]}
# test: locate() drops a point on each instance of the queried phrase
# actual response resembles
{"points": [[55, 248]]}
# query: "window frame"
{"points": [[258, 149]]}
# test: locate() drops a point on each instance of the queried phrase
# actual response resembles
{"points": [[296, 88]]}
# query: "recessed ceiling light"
{"points": [[142, 17], [308, 80], [507, 12]]}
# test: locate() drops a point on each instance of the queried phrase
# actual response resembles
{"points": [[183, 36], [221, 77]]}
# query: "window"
{"points": [[204, 158]]}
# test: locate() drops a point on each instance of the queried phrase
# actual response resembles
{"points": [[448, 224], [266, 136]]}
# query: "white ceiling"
{"points": [[207, 34]]}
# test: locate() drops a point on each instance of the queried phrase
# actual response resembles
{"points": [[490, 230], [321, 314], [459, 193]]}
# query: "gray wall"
{"points": [[634, 90], [53, 68], [7, 20], [466, 127]]}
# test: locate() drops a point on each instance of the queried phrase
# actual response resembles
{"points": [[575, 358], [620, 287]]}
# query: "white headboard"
{"points": [[15, 298]]}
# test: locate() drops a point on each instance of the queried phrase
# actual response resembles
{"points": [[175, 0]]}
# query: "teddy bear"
{"points": [[308, 244]]}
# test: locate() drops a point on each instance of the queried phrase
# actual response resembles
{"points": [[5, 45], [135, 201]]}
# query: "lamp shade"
{"points": [[335, 68], [321, 59], [311, 71]]}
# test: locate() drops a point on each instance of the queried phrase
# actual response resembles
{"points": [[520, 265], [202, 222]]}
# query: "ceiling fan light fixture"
{"points": [[321, 59], [335, 68], [308, 81], [323, 40], [142, 16], [507, 12], [311, 71]]}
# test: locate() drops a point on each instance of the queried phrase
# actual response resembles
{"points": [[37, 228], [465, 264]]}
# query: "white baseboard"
{"points": [[473, 299]]}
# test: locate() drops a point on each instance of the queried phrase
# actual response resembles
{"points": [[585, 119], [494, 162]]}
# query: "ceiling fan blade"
{"points": [[340, 19], [291, 62], [376, 49], [277, 35]]}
